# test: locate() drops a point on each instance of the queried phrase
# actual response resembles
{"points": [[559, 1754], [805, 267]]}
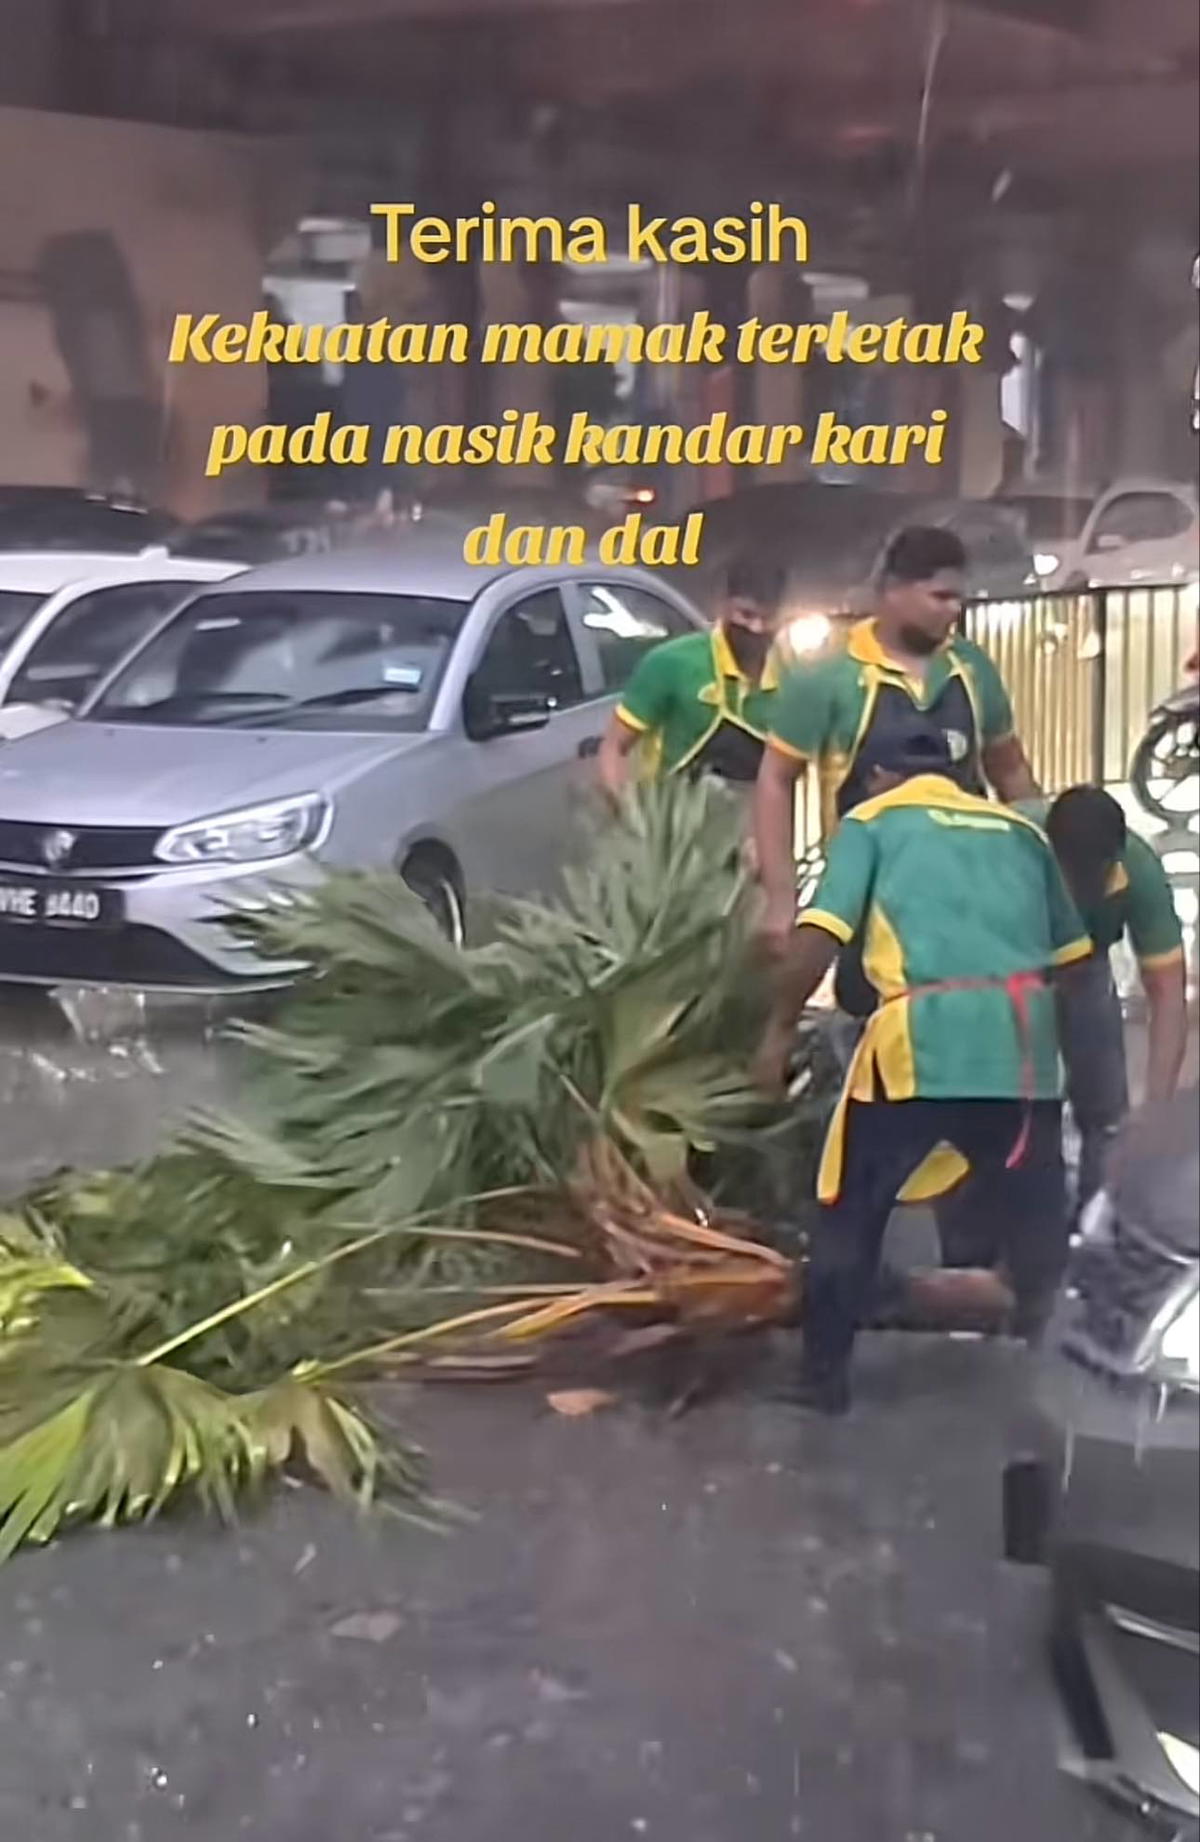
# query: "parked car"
{"points": [[1107, 1490], [1138, 530], [67, 518], [385, 706], [67, 618], [832, 538]]}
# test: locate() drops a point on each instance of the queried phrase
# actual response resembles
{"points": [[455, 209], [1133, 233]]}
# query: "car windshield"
{"points": [[299, 658], [16, 607]]}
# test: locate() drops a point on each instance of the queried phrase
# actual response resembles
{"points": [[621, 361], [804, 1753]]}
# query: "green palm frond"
{"points": [[119, 1445], [414, 1124]]}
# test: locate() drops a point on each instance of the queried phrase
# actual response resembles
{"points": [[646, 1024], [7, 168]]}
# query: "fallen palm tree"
{"points": [[509, 1131]]}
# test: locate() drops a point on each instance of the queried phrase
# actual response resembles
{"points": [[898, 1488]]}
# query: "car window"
{"points": [[16, 608], [89, 637], [531, 652], [1141, 517], [626, 622], [308, 657]]}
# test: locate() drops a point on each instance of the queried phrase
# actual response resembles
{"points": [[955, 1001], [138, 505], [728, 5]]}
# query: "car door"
{"points": [[1145, 534], [620, 622], [510, 817], [85, 639]]}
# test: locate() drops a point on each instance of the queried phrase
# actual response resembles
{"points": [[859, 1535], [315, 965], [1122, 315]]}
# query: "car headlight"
{"points": [[1177, 1357], [1045, 562], [252, 834], [807, 633]]}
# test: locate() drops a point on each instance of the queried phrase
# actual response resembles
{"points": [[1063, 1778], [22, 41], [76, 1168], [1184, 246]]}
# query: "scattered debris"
{"points": [[575, 1403]]}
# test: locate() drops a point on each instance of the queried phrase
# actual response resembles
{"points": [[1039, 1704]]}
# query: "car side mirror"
{"points": [[487, 714], [1108, 540]]}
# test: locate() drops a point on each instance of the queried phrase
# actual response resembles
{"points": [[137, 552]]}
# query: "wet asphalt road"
{"points": [[734, 1627]]}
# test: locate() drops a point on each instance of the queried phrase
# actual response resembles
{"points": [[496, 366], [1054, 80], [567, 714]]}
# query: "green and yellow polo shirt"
{"points": [[825, 703], [942, 887], [686, 688], [1137, 902]]}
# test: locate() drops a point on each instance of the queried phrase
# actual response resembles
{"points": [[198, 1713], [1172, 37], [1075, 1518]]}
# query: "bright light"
{"points": [[1045, 562], [1184, 1760], [808, 634], [1179, 1345]]}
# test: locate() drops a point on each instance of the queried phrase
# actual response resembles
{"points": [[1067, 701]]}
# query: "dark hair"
{"points": [[759, 578], [1087, 829], [921, 551]]}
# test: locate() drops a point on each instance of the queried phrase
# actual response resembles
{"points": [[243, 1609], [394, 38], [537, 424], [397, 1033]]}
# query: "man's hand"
{"points": [[769, 1068], [1006, 766]]}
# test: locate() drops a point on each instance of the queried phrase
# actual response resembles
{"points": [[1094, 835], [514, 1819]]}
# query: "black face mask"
{"points": [[919, 642], [749, 649]]}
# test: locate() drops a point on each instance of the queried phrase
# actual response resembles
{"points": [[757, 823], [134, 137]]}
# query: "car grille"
{"points": [[122, 847], [138, 956], [1117, 1287]]}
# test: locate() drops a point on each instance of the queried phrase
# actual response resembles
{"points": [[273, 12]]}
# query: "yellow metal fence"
{"points": [[1084, 671]]}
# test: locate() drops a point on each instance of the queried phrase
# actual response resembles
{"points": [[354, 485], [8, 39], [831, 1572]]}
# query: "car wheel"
{"points": [[434, 881]]}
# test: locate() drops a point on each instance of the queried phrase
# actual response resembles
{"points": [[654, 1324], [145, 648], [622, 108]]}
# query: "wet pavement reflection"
{"points": [[92, 1078]]}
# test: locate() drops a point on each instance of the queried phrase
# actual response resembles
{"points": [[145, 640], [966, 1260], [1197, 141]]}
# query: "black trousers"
{"points": [[885, 1143], [1091, 1030]]}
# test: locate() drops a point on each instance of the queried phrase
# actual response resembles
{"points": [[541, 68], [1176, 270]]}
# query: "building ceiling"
{"points": [[1066, 94]]}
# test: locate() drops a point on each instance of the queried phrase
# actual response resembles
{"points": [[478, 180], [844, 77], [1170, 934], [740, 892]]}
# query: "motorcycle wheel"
{"points": [[1166, 760]]}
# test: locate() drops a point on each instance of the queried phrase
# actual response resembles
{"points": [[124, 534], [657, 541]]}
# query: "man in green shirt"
{"points": [[1121, 891], [702, 703], [904, 672], [963, 914]]}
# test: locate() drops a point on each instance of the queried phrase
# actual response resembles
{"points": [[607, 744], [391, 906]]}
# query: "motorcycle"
{"points": [[1165, 770]]}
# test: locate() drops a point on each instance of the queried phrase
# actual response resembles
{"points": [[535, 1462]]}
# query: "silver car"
{"points": [[362, 709]]}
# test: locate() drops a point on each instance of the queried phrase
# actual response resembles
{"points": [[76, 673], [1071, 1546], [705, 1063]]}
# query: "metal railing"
{"points": [[1084, 669]]}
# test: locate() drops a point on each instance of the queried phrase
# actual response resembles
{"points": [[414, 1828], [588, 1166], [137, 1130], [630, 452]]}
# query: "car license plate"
{"points": [[61, 904]]}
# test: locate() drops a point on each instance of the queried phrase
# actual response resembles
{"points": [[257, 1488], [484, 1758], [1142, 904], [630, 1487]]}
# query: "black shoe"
{"points": [[827, 1393]]}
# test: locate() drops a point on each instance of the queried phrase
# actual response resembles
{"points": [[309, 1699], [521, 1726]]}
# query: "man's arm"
{"points": [[809, 957], [1157, 939], [800, 729], [642, 711], [1166, 1003], [1007, 768], [831, 921], [1005, 762], [774, 835], [613, 759]]}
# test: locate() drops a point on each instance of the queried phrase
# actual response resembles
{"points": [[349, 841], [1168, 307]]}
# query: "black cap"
{"points": [[907, 752]]}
